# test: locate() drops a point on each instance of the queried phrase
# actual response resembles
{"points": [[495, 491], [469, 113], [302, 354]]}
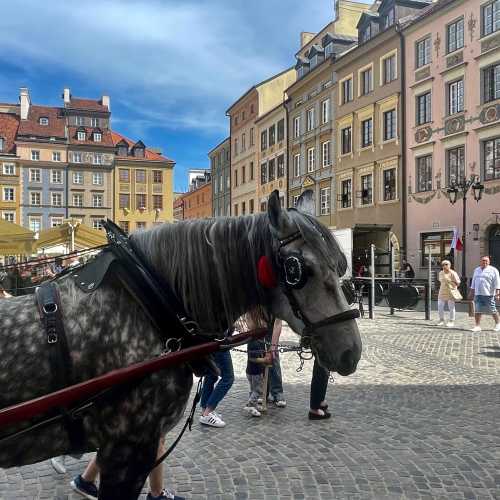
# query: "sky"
{"points": [[171, 67]]}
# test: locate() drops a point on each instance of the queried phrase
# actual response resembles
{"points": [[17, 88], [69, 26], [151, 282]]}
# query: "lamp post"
{"points": [[462, 188]]}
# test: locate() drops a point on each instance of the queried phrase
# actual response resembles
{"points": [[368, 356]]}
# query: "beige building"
{"points": [[255, 103], [272, 157]]}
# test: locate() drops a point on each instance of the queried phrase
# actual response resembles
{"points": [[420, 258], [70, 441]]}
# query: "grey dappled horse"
{"points": [[212, 266]]}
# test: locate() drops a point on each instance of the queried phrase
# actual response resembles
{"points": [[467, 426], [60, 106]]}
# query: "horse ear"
{"points": [[279, 218], [305, 202]]}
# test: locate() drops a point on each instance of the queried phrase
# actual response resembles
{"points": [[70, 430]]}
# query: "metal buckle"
{"points": [[52, 338], [50, 308], [173, 342]]}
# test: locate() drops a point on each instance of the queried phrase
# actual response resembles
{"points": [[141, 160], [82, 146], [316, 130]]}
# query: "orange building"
{"points": [[198, 202]]}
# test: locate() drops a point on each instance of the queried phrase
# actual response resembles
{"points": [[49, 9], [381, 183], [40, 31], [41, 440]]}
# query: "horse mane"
{"points": [[212, 263]]}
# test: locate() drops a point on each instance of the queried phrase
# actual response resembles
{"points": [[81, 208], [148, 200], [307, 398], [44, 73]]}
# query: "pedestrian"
{"points": [[484, 289], [448, 292], [318, 407], [276, 393], [85, 483], [214, 389], [256, 359]]}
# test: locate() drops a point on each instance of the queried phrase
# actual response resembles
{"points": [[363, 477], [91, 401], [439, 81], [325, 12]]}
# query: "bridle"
{"points": [[293, 276]]}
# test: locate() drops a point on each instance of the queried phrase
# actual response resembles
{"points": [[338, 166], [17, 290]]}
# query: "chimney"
{"points": [[66, 96], [306, 37], [24, 98], [105, 102]]}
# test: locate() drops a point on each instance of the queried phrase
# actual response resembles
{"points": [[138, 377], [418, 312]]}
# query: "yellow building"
{"points": [[143, 185]]}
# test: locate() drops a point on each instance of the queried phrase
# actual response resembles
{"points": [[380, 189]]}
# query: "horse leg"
{"points": [[124, 467]]}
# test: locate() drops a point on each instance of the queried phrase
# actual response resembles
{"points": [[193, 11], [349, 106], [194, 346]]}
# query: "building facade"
{"points": [[220, 167], [453, 129], [197, 203], [142, 181]]}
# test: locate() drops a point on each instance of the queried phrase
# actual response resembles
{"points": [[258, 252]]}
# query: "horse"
{"points": [[213, 266]]}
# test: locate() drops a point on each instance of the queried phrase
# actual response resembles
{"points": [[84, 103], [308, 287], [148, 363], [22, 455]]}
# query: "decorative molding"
{"points": [[454, 125], [308, 182], [423, 199], [490, 43], [493, 189], [490, 114], [437, 45], [423, 73], [423, 134], [455, 59], [471, 24]]}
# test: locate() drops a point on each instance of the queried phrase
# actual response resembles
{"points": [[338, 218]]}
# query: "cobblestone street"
{"points": [[418, 420]]}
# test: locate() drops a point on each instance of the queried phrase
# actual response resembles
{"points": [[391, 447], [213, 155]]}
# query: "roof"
{"points": [[106, 139], [31, 126], [86, 104], [9, 125], [148, 154], [218, 145], [425, 12]]}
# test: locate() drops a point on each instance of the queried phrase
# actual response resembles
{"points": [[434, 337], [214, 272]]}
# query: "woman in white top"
{"points": [[448, 292]]}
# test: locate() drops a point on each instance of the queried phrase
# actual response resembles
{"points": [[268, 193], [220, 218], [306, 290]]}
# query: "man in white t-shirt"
{"points": [[485, 287]]}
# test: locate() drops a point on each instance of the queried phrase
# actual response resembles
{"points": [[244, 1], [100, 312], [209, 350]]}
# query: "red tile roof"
{"points": [[149, 155], [106, 139], [86, 104], [8, 129], [31, 126]]}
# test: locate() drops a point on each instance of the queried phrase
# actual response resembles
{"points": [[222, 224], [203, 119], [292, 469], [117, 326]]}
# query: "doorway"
{"points": [[494, 245]]}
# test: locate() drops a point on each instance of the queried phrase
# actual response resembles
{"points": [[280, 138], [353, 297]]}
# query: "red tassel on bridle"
{"points": [[265, 273]]}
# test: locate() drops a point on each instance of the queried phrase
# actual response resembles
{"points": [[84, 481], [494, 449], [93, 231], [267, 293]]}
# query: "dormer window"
{"points": [[43, 121], [80, 135], [79, 120], [366, 34], [97, 136], [139, 152], [389, 18], [314, 60], [122, 150], [329, 49]]}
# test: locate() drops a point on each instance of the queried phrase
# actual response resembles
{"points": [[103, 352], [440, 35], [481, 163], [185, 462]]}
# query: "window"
{"points": [[140, 225], [35, 223], [491, 152], [281, 130], [97, 137], [97, 178], [367, 189], [8, 194], [456, 97], [325, 111], [243, 174], [158, 202], [124, 175], [9, 216], [281, 165], [296, 165], [9, 169], [424, 173], [97, 224], [97, 158], [243, 116], [325, 154], [366, 34], [125, 226], [345, 140], [491, 83], [56, 176], [389, 69], [35, 198], [94, 122], [389, 125], [236, 147], [423, 106], [251, 172], [455, 35], [43, 121], [251, 109], [56, 199], [140, 176], [251, 137], [310, 119], [310, 159], [80, 120], [243, 208], [35, 175], [236, 210], [251, 207], [313, 61], [271, 170], [324, 199], [366, 133], [423, 49], [347, 91], [81, 135], [221, 178], [235, 178], [263, 173], [35, 155], [437, 244], [296, 126], [243, 142], [77, 177], [455, 171], [157, 176], [56, 156], [56, 221], [78, 200], [491, 17], [124, 200], [263, 140], [366, 81], [2, 143], [389, 180], [272, 135], [328, 49], [77, 157], [389, 18], [97, 200], [346, 196]]}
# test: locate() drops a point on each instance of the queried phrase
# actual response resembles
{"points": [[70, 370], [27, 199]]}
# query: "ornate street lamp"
{"points": [[477, 190]]}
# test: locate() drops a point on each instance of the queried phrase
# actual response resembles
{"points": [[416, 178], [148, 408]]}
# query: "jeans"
{"points": [[319, 384], [255, 393], [451, 308], [275, 380], [212, 392]]}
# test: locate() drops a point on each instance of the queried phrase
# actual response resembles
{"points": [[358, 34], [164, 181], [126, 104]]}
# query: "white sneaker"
{"points": [[476, 329], [252, 411], [497, 328], [58, 464], [212, 420], [440, 323], [280, 403], [450, 324]]}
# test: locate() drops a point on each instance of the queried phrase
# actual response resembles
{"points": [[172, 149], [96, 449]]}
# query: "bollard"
{"points": [[370, 302], [427, 296], [393, 272]]}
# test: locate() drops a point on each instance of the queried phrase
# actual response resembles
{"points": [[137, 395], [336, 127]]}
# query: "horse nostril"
{"points": [[348, 360]]}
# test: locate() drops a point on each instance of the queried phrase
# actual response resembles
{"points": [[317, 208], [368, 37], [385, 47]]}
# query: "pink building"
{"points": [[452, 122]]}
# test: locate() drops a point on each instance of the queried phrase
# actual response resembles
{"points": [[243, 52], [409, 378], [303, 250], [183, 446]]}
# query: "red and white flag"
{"points": [[456, 243]]}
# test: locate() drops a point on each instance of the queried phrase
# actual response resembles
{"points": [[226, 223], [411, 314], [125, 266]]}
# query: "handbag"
{"points": [[455, 293]]}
